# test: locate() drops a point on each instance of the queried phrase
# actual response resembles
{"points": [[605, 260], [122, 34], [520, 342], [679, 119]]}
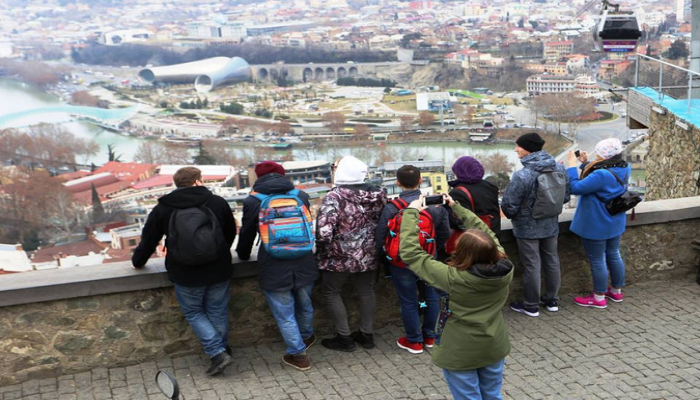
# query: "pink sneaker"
{"points": [[617, 298], [590, 301]]}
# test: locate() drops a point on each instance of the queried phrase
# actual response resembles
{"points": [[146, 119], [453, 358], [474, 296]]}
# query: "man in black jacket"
{"points": [[202, 290], [286, 283]]}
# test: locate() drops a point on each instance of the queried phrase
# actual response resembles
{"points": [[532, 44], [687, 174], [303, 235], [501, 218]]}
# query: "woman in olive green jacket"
{"points": [[475, 342]]}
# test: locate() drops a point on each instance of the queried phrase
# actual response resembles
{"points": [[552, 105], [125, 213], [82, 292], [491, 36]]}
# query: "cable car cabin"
{"points": [[617, 32]]}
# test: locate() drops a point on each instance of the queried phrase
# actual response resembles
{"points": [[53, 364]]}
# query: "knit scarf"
{"points": [[614, 161]]}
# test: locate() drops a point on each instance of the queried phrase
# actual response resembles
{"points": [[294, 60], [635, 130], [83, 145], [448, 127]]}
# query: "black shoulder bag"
{"points": [[624, 202]]}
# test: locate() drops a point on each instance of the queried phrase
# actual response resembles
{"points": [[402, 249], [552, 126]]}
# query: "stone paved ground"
{"points": [[647, 347]]}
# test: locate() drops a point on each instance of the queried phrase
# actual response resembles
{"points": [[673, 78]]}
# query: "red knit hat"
{"points": [[267, 167]]}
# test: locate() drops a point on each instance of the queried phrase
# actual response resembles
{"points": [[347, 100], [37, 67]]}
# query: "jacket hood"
{"points": [[191, 196], [539, 161], [493, 276], [273, 183], [350, 171], [366, 195]]}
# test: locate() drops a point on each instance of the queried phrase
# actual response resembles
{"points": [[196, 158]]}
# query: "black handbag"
{"points": [[624, 202]]}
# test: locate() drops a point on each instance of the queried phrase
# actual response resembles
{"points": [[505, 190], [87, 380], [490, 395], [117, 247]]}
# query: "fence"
{"points": [[669, 81]]}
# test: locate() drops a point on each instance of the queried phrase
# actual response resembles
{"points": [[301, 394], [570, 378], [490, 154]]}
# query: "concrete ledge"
{"points": [[47, 285]]}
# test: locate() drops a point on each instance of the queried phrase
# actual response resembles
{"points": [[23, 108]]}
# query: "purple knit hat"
{"points": [[468, 169]]}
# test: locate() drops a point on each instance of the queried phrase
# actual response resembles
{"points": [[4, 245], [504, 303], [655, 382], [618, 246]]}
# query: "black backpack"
{"points": [[195, 236]]}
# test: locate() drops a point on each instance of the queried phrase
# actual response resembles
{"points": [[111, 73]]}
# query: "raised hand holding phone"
{"points": [[434, 200]]}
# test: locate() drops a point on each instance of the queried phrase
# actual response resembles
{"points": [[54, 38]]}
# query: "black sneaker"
{"points": [[228, 350], [218, 363], [340, 343], [365, 340], [551, 305], [529, 311]]}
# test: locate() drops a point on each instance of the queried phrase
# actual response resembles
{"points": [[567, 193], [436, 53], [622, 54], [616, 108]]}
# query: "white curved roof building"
{"points": [[206, 75]]}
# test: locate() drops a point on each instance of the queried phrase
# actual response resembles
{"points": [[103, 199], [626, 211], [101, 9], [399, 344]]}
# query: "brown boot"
{"points": [[298, 361]]}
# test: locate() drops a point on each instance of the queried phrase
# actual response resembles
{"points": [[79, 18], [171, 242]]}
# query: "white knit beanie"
{"points": [[350, 171], [608, 148]]}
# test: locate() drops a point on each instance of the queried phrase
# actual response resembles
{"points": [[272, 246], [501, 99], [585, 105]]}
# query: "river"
{"points": [[16, 96]]}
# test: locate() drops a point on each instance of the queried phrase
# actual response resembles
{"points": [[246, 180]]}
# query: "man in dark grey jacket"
{"points": [[286, 283], [536, 238]]}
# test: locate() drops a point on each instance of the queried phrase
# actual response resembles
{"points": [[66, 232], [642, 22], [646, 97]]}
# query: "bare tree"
{"points": [[497, 163], [39, 203], [283, 127], [334, 120], [406, 121], [425, 119], [84, 98], [361, 130]]}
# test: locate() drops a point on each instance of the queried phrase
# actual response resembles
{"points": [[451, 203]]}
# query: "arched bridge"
{"points": [[110, 118], [319, 72]]}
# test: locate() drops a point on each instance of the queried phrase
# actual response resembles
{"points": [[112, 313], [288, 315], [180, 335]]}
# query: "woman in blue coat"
{"points": [[600, 232]]}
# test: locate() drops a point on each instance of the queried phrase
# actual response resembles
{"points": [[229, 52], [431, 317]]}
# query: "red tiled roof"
{"points": [[82, 248], [87, 185], [154, 181], [167, 180], [103, 191], [124, 170], [560, 43], [73, 175]]}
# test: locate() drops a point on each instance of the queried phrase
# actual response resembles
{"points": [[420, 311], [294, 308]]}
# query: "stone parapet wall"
{"points": [[673, 161], [65, 321]]}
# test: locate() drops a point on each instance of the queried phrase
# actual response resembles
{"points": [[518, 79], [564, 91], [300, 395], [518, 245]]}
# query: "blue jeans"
{"points": [[604, 256], [206, 310], [478, 384], [406, 284], [294, 314]]}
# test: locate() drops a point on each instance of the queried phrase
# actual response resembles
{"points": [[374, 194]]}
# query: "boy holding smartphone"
{"points": [[408, 178]]}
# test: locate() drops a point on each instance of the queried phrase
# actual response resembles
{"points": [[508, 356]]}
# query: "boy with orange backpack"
{"points": [[434, 229]]}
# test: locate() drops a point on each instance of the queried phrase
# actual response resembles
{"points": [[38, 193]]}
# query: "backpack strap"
{"points": [[259, 196], [399, 203], [469, 195]]}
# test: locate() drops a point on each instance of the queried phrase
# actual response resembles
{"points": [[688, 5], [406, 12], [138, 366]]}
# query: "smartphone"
{"points": [[577, 153], [435, 200]]}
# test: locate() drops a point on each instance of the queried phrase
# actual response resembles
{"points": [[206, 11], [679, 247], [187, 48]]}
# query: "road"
{"points": [[585, 135]]}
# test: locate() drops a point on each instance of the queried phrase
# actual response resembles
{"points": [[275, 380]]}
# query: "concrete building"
{"points": [[206, 74], [553, 51], [126, 237], [115, 38], [541, 84]]}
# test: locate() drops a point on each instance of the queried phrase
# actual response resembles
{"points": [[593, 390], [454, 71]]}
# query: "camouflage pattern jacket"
{"points": [[346, 221]]}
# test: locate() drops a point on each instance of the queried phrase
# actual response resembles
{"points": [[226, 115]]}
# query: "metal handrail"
{"points": [[690, 73]]}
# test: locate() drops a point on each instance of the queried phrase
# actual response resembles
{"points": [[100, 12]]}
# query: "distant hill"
{"points": [[138, 55]]}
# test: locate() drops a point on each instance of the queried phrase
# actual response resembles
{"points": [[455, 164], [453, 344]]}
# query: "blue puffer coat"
{"points": [[520, 195]]}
